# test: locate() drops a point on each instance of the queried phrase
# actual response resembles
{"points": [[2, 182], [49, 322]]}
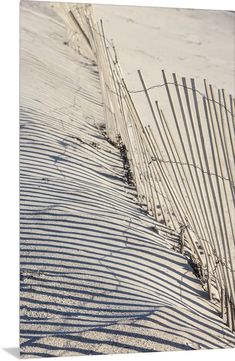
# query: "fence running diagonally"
{"points": [[183, 166]]}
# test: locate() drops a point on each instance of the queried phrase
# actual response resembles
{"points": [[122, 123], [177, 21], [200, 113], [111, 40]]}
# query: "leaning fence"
{"points": [[183, 166]]}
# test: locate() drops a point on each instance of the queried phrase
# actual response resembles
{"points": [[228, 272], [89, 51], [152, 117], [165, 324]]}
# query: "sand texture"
{"points": [[98, 275]]}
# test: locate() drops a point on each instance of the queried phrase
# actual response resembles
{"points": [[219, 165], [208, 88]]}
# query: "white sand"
{"points": [[195, 44], [95, 276]]}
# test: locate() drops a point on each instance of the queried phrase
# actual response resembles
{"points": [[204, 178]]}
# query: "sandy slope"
{"points": [[95, 277], [195, 44]]}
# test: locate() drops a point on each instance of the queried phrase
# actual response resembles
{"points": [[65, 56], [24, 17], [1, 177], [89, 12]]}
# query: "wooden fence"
{"points": [[183, 166]]}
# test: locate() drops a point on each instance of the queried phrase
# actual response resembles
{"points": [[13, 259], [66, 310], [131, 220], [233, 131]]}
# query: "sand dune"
{"points": [[98, 275]]}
